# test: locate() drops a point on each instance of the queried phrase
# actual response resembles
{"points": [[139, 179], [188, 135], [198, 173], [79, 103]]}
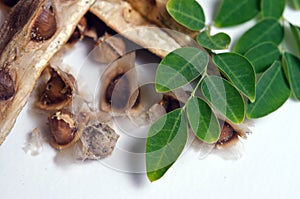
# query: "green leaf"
{"points": [[179, 68], [188, 13], [272, 9], [165, 142], [265, 30], [239, 71], [224, 97], [203, 121], [271, 92], [215, 42], [292, 69], [296, 33], [233, 12], [296, 4], [263, 55]]}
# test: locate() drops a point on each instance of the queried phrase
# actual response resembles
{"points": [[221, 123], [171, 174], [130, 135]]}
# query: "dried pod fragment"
{"points": [[229, 146], [44, 26], [108, 49], [82, 30], [58, 91], [7, 86], [144, 111], [173, 100], [63, 127], [230, 134], [34, 144], [118, 85], [138, 29], [170, 103], [98, 141]]}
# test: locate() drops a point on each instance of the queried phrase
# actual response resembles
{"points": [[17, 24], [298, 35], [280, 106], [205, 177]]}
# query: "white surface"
{"points": [[269, 167]]}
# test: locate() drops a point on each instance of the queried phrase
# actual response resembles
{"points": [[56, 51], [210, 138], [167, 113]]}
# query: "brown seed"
{"points": [[118, 92], [7, 87], [118, 85], [62, 127], [44, 26]]}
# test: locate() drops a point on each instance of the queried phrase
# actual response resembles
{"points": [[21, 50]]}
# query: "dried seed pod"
{"points": [[10, 3], [7, 85], [98, 141], [108, 49], [44, 26], [63, 128], [118, 85], [27, 58], [58, 91]]}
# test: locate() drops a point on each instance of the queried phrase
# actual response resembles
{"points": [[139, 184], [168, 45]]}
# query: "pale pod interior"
{"points": [[118, 90], [146, 109]]}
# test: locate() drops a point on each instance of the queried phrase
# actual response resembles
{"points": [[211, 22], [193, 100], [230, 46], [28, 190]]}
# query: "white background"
{"points": [[269, 167]]}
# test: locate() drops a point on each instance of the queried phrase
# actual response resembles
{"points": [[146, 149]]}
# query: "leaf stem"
{"points": [[204, 74]]}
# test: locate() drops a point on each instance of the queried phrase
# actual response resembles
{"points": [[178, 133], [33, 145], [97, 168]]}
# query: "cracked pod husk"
{"points": [[58, 91], [118, 85]]}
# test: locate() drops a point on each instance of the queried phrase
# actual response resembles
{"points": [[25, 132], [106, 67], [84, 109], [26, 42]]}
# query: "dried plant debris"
{"points": [[58, 92], [34, 143], [98, 141], [26, 50], [108, 49], [231, 133], [82, 30]]}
